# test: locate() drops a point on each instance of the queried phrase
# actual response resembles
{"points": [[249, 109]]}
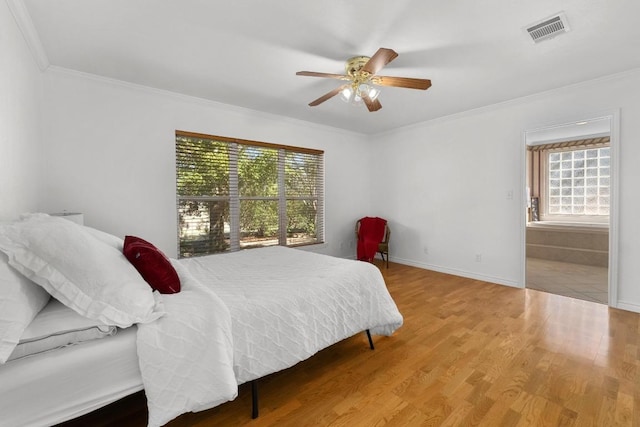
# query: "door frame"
{"points": [[614, 130]]}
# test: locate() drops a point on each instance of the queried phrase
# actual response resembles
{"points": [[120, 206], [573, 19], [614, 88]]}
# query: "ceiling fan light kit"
{"points": [[361, 75], [353, 94]]}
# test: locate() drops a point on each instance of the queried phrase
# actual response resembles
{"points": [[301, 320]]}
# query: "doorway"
{"points": [[569, 231]]}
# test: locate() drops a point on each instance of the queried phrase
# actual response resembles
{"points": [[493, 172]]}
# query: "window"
{"points": [[571, 179], [234, 194], [578, 182]]}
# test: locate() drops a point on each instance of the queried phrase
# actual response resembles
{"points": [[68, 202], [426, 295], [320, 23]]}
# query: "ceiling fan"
{"points": [[361, 74]]}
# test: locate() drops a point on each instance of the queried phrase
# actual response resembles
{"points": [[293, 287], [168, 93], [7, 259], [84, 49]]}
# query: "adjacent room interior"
{"points": [[569, 184]]}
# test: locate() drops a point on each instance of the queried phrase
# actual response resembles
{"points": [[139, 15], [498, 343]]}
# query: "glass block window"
{"points": [[578, 182]]}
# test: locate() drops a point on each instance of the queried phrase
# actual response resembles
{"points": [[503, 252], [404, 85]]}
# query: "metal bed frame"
{"points": [[254, 385]]}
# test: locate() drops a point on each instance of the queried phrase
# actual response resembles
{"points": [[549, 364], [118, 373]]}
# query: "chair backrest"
{"points": [[387, 232]]}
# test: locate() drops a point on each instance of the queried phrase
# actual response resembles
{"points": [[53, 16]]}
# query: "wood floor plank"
{"points": [[469, 353]]}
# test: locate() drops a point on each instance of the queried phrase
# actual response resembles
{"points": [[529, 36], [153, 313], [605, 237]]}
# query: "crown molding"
{"points": [[229, 108], [29, 32], [511, 102]]}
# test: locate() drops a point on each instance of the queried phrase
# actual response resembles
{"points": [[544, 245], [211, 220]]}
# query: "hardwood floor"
{"points": [[469, 353]]}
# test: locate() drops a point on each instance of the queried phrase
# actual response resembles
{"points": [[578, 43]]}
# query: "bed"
{"points": [[238, 317]]}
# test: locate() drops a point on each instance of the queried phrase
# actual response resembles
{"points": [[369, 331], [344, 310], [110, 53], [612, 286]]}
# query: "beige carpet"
{"points": [[578, 281]]}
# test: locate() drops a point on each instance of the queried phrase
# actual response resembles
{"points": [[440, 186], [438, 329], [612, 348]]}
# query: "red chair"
{"points": [[372, 235]]}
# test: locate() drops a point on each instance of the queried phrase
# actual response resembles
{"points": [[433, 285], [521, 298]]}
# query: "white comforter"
{"points": [[186, 356], [285, 306]]}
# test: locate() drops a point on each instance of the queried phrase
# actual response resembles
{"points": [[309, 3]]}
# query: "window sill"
{"points": [[309, 246]]}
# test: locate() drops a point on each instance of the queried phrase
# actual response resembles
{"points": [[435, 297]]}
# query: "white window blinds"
{"points": [[234, 194]]}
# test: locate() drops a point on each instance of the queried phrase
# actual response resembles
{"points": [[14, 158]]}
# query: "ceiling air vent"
{"points": [[548, 28]]}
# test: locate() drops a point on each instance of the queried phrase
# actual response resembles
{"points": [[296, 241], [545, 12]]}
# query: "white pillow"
{"points": [[20, 301], [107, 238], [82, 272], [58, 326]]}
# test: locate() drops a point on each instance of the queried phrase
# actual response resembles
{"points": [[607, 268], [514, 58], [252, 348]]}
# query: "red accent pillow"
{"points": [[152, 264]]}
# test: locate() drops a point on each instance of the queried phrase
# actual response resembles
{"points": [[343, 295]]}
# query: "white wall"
{"points": [[110, 154], [446, 183], [441, 190], [20, 100]]}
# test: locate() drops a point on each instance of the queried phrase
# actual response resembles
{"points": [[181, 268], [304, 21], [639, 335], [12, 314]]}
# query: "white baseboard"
{"points": [[629, 306], [456, 272]]}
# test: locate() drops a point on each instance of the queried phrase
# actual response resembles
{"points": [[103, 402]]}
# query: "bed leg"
{"points": [[254, 399], [370, 340]]}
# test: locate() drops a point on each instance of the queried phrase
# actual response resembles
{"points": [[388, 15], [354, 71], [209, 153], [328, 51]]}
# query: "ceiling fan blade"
{"points": [[405, 82], [327, 75], [327, 95], [372, 105], [379, 59]]}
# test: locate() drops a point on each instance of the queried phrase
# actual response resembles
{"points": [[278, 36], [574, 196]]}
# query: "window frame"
{"points": [[234, 198]]}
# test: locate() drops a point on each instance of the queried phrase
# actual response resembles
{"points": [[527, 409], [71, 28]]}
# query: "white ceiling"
{"points": [[246, 53], [592, 128]]}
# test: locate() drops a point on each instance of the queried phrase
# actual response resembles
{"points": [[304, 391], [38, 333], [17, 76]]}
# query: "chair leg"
{"points": [[383, 258]]}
